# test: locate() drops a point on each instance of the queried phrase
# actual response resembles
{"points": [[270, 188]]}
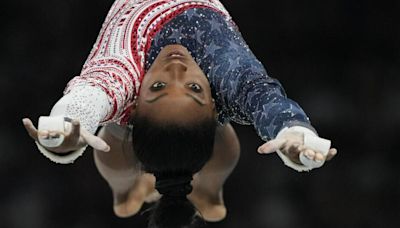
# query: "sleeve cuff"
{"points": [[61, 158]]}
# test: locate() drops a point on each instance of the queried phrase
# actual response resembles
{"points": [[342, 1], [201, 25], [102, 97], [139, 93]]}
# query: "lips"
{"points": [[176, 55]]}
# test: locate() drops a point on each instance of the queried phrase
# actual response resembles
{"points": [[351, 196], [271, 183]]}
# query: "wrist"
{"points": [[61, 158]]}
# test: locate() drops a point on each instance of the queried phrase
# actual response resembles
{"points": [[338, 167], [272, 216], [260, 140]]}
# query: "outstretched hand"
{"points": [[291, 144], [293, 149], [75, 139]]}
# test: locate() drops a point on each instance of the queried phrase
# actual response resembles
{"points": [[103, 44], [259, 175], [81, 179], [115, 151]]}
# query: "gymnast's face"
{"points": [[175, 88]]}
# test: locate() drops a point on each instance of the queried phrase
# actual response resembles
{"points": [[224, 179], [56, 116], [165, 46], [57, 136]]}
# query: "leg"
{"points": [[207, 184], [129, 185]]}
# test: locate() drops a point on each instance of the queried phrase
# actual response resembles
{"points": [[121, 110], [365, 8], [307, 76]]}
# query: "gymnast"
{"points": [[163, 80]]}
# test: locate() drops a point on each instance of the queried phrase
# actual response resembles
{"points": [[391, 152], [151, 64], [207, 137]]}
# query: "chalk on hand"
{"points": [[51, 124], [318, 145]]}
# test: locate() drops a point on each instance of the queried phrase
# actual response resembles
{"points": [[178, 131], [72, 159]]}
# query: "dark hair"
{"points": [[173, 153]]}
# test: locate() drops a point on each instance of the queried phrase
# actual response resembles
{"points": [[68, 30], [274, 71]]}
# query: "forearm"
{"points": [[118, 86], [88, 104], [271, 111], [260, 100]]}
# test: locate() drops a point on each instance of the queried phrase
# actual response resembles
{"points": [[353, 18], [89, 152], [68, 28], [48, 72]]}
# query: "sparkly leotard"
{"points": [[134, 33], [243, 91]]}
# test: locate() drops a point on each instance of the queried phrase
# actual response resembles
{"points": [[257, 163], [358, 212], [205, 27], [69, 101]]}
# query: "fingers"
{"points": [[319, 157], [332, 152], [271, 146], [30, 128], [312, 155], [72, 138], [303, 155], [44, 137], [94, 141], [294, 150]]}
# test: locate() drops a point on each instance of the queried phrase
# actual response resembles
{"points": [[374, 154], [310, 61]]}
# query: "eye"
{"points": [[157, 86], [195, 87]]}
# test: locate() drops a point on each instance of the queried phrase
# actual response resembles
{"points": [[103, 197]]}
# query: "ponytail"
{"points": [[173, 153], [174, 192]]}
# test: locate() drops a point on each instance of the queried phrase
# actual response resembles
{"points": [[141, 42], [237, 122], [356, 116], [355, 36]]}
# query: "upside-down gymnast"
{"points": [[164, 79]]}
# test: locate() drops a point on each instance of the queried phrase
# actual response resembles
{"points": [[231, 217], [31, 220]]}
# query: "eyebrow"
{"points": [[198, 101], [156, 98]]}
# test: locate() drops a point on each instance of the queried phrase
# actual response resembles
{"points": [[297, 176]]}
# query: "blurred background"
{"points": [[340, 59]]}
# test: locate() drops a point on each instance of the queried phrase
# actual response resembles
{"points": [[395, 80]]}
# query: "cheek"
{"points": [[142, 106]]}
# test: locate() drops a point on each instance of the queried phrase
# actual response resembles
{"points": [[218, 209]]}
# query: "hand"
{"points": [[77, 138], [291, 144]]}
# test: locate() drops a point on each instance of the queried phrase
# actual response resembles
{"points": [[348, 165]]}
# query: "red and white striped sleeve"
{"points": [[109, 80], [107, 84], [112, 77]]}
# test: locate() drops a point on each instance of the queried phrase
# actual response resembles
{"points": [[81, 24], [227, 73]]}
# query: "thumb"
{"points": [[96, 142], [271, 146]]}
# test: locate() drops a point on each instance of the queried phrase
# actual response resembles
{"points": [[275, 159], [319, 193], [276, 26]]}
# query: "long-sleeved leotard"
{"points": [[131, 38], [116, 64]]}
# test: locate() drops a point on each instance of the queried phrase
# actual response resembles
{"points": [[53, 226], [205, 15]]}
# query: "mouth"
{"points": [[176, 55]]}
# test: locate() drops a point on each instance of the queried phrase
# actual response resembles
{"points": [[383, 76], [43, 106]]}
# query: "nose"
{"points": [[176, 67], [176, 71]]}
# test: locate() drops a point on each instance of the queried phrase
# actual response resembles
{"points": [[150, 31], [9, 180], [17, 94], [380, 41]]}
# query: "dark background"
{"points": [[338, 58]]}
